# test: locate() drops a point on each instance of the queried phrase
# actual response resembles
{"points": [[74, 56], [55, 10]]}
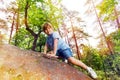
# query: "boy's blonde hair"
{"points": [[47, 26]]}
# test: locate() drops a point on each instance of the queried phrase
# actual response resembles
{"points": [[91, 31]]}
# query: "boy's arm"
{"points": [[51, 54], [55, 46], [45, 48]]}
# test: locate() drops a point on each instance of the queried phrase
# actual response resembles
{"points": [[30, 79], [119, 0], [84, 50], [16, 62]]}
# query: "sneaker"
{"points": [[92, 72]]}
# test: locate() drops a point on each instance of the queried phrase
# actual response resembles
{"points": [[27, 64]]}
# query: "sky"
{"points": [[79, 5], [74, 5], [91, 28]]}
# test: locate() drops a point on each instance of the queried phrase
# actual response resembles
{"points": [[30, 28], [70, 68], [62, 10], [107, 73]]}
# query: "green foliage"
{"points": [[39, 11], [111, 62], [23, 39], [92, 58], [101, 75], [53, 12], [107, 9], [115, 38], [105, 65], [41, 42], [36, 16], [112, 66]]}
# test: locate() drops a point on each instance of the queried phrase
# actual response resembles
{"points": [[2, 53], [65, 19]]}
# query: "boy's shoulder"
{"points": [[56, 35], [55, 32]]}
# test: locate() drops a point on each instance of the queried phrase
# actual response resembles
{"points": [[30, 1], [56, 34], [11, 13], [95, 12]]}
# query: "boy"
{"points": [[59, 48]]}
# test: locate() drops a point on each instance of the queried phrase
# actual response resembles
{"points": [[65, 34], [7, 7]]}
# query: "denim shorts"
{"points": [[65, 54]]}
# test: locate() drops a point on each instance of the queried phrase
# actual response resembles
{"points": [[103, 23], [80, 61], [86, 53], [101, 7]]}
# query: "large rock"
{"points": [[17, 64]]}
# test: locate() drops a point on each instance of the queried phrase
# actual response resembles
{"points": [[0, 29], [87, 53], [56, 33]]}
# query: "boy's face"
{"points": [[48, 31]]}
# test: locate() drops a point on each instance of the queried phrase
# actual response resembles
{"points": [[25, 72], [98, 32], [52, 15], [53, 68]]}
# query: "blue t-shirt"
{"points": [[61, 43]]}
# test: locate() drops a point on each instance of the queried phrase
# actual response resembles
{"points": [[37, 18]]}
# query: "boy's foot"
{"points": [[92, 73]]}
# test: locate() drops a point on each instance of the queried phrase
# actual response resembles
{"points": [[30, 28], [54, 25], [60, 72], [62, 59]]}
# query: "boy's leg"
{"points": [[84, 66], [92, 72], [77, 62], [67, 54]]}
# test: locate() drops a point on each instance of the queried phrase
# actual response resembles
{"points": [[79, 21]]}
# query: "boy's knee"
{"points": [[71, 59]]}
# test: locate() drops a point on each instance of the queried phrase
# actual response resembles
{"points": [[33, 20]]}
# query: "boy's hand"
{"points": [[50, 52], [50, 56]]}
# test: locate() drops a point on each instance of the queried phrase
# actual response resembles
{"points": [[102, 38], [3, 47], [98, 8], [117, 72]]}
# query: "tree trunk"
{"points": [[17, 25], [18, 20], [77, 48], [28, 29], [12, 26], [108, 45], [117, 18], [35, 42]]}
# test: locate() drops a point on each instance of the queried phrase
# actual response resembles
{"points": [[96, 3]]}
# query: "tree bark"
{"points": [[12, 26], [29, 30], [77, 48], [17, 25], [117, 18], [108, 45]]}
